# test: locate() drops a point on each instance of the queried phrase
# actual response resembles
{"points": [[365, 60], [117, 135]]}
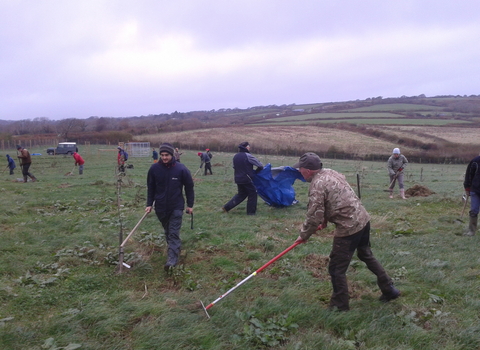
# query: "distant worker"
{"points": [[210, 155], [121, 158], [243, 163], [331, 199], [78, 161], [205, 159], [471, 185], [177, 154], [396, 165], [25, 162], [154, 155], [166, 181], [11, 164]]}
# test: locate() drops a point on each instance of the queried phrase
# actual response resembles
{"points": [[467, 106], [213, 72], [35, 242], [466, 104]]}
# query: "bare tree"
{"points": [[69, 125]]}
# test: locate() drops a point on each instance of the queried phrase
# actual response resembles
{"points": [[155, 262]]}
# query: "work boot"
{"points": [[394, 293], [172, 259], [472, 225], [33, 178], [402, 193], [391, 194], [25, 179]]}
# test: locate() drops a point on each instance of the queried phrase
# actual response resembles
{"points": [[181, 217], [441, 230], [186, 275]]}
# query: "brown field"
{"points": [[304, 138], [451, 134]]}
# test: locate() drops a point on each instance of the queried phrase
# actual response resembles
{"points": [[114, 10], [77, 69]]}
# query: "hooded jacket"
{"points": [[472, 176], [243, 163], [165, 184], [11, 162], [78, 159], [393, 164]]}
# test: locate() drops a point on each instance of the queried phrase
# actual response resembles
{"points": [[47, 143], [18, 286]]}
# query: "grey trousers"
{"points": [[172, 223]]}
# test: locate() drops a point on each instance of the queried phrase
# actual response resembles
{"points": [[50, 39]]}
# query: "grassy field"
{"points": [[369, 121], [60, 287], [329, 116]]}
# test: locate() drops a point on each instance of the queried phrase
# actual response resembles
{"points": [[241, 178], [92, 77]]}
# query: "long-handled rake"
{"points": [[464, 206], [121, 252], [71, 172], [196, 172], [205, 308]]}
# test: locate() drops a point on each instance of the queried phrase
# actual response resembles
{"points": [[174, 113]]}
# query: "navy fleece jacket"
{"points": [[165, 184]]}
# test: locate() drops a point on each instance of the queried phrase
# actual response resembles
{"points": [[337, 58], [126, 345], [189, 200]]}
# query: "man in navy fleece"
{"points": [[165, 183]]}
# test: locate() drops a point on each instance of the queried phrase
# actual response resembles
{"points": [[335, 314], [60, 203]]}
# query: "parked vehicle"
{"points": [[63, 148]]}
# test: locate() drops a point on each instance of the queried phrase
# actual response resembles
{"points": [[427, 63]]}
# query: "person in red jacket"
{"points": [[78, 161]]}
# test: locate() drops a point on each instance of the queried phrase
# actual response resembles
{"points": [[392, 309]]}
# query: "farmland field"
{"points": [[60, 288], [356, 120], [397, 107]]}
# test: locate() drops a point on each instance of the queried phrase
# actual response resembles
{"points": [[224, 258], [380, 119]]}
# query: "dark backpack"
{"points": [[210, 155], [125, 155]]}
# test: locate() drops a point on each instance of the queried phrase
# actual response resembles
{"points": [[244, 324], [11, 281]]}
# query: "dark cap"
{"points": [[166, 147], [244, 144], [309, 161], [19, 147]]}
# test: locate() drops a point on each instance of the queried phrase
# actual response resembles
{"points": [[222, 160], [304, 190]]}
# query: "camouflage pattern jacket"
{"points": [[330, 198]]}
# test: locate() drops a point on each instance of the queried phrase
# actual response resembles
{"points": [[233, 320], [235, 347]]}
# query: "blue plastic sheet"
{"points": [[275, 185]]}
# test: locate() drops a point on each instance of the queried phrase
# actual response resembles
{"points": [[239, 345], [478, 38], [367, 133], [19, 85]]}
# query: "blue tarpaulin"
{"points": [[275, 185]]}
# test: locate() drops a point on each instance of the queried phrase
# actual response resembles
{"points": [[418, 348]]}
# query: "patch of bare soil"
{"points": [[419, 191], [318, 265]]}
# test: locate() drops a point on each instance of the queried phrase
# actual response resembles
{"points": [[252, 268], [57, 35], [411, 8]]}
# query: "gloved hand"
{"points": [[399, 169], [300, 240], [322, 226], [467, 191]]}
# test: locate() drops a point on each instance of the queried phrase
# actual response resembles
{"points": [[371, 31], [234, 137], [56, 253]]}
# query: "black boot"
{"points": [[394, 293], [172, 259]]}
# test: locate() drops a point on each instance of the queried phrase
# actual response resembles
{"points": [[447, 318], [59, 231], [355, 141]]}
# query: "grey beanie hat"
{"points": [[166, 147]]}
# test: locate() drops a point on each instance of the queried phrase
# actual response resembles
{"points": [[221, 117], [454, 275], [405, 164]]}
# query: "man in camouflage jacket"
{"points": [[331, 199]]}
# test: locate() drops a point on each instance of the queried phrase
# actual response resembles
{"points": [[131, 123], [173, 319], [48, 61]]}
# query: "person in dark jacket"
{"points": [[166, 181], [472, 189], [25, 162], [243, 163], [154, 155], [205, 159], [11, 164]]}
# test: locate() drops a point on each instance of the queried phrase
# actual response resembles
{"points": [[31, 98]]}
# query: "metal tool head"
{"points": [[204, 309]]}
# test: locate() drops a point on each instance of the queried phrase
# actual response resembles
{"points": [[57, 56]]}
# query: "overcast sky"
{"points": [[117, 58]]}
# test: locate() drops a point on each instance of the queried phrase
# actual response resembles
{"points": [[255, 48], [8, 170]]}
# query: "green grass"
{"points": [[60, 237], [399, 107], [373, 121], [341, 115]]}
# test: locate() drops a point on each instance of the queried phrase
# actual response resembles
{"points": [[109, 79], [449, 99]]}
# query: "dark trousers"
{"points": [[244, 190], [25, 172], [172, 223], [342, 252], [208, 167]]}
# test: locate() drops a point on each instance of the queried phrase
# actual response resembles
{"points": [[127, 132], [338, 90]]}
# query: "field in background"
{"points": [[60, 238]]}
